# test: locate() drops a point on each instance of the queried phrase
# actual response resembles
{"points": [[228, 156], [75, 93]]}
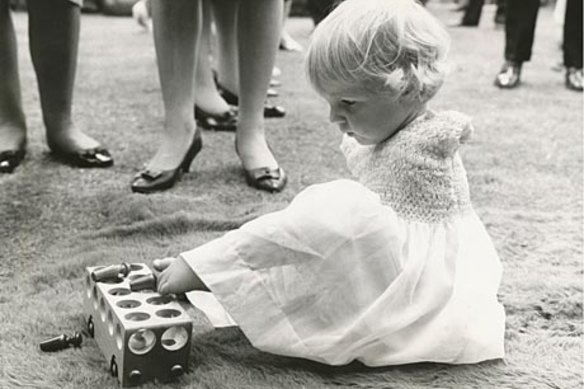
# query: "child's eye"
{"points": [[348, 102]]}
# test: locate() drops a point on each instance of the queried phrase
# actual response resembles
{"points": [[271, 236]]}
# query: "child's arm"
{"points": [[176, 276]]}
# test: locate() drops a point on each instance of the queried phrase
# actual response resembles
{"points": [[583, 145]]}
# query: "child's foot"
{"points": [[176, 276]]}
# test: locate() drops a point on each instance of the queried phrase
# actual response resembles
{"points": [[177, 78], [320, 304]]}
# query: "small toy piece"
{"points": [[111, 273], [146, 282], [142, 334], [61, 342]]}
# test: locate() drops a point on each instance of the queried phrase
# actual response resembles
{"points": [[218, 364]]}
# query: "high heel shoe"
{"points": [[265, 178], [226, 121], [270, 111], [10, 159], [148, 181]]}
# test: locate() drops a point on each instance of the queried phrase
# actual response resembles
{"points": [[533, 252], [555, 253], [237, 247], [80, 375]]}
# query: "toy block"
{"points": [[143, 335]]}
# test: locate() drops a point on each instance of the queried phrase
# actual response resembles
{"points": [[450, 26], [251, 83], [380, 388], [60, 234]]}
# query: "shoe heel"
{"points": [[192, 152]]}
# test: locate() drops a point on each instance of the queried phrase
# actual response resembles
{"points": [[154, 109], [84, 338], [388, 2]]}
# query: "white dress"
{"points": [[393, 269]]}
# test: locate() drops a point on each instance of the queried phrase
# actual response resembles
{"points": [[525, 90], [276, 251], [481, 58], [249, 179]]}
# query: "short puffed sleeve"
{"points": [[447, 132]]}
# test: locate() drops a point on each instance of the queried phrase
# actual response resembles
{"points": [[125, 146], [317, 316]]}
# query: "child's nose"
{"points": [[334, 115]]}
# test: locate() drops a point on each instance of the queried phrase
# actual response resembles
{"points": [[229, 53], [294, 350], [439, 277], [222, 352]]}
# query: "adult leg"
{"points": [[177, 26], [500, 12], [573, 44], [12, 121], [225, 16], [319, 9], [258, 26], [520, 21], [54, 40], [286, 41], [472, 13], [207, 97]]}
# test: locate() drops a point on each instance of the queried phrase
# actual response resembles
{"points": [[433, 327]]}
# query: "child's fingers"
{"points": [[162, 285], [161, 264]]}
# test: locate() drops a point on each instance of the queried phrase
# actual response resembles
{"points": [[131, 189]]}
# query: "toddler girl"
{"points": [[393, 269]]}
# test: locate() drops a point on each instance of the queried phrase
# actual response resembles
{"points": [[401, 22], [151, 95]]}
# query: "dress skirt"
{"points": [[337, 276]]}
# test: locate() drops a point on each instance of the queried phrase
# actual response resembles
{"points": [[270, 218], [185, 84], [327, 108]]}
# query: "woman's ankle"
{"points": [[12, 136]]}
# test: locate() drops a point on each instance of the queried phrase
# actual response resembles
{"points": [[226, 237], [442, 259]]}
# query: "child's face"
{"points": [[368, 117]]}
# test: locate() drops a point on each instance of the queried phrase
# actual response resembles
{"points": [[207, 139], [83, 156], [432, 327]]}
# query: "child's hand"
{"points": [[176, 276]]}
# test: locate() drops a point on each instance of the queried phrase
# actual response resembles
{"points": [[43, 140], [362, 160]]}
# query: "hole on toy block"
{"points": [[102, 309], [168, 342], [112, 281], [141, 341], [137, 316], [161, 300], [94, 298], [127, 304], [136, 266], [119, 292], [174, 338], [119, 340], [168, 313], [110, 322]]}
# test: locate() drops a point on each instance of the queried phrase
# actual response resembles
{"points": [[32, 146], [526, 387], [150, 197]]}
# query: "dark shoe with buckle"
{"points": [[10, 159], [510, 75], [226, 121], [265, 178], [574, 79], [97, 157], [270, 111], [149, 181]]}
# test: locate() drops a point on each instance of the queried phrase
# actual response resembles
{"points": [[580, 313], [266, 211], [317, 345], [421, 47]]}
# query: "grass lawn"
{"points": [[525, 172]]}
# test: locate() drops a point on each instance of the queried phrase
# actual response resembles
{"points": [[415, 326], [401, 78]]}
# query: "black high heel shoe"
{"points": [[97, 157], [10, 159], [149, 181], [226, 121], [270, 111], [265, 178]]}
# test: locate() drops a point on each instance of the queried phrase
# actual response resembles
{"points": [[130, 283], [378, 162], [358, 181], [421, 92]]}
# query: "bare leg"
{"points": [[54, 39], [225, 16], [177, 26], [258, 27], [286, 41], [12, 121], [207, 97]]}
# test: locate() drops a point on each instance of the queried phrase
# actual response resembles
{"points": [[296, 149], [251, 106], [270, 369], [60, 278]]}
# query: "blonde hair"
{"points": [[387, 46]]}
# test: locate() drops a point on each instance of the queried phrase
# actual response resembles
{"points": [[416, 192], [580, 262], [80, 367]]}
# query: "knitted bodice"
{"points": [[418, 171]]}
